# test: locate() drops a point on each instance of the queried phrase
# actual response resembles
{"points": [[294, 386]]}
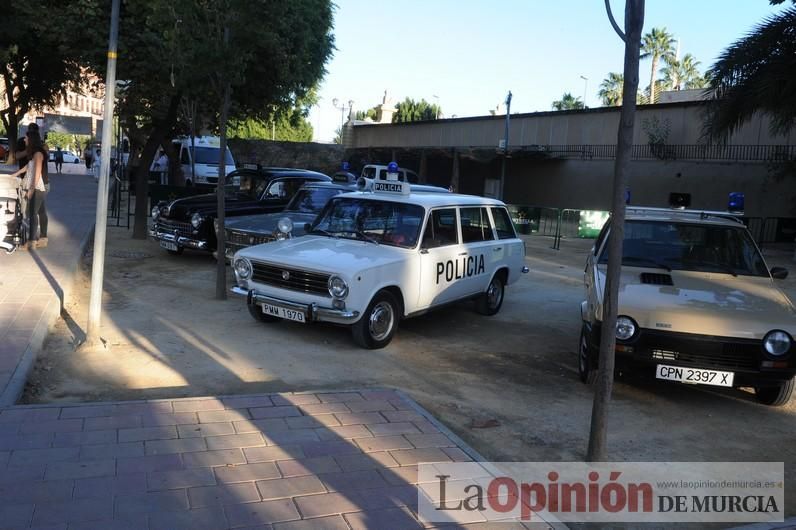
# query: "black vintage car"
{"points": [[305, 206], [189, 222]]}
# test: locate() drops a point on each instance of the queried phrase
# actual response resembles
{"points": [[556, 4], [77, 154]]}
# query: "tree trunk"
{"points": [[159, 131], [652, 79], [221, 264], [634, 22]]}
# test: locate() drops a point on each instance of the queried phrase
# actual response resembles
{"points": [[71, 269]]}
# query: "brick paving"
{"points": [[208, 463], [33, 285]]}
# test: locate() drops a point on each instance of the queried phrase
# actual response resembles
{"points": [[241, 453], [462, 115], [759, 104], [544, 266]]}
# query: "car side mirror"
{"points": [[779, 273]]}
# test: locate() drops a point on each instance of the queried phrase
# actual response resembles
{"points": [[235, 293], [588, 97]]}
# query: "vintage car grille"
{"points": [[182, 229], [243, 239], [297, 280], [721, 353]]}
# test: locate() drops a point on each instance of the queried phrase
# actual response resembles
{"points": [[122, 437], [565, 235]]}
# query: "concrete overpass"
{"points": [[564, 159]]}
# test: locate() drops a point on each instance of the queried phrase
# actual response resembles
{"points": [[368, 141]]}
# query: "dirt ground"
{"points": [[506, 384]]}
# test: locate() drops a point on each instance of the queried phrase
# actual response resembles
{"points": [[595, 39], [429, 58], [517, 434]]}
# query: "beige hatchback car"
{"points": [[697, 305]]}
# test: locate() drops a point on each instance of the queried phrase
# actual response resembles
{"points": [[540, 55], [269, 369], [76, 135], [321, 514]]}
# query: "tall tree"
{"points": [[567, 102], [755, 74], [40, 55], [679, 74], [411, 110], [611, 89], [634, 24], [657, 44]]}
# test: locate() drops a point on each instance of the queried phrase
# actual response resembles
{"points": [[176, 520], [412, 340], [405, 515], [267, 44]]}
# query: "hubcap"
{"points": [[381, 321], [494, 294]]}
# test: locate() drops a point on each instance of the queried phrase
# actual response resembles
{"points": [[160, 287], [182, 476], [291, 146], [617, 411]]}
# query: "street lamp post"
{"points": [[436, 116], [342, 108], [585, 89], [505, 147]]}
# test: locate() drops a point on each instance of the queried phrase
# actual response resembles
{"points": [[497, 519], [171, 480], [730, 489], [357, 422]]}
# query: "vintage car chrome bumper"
{"points": [[314, 312], [182, 241]]}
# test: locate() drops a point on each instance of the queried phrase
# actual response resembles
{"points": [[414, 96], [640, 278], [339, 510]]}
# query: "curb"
{"points": [[16, 383]]}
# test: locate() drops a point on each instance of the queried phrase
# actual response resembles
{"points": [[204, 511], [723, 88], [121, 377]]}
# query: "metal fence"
{"points": [[560, 223], [750, 153]]}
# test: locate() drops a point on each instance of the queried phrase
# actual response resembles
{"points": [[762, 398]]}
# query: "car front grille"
{"points": [[700, 351], [292, 279], [244, 239], [170, 226]]}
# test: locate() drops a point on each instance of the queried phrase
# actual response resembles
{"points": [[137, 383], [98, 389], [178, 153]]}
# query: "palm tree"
{"points": [[568, 102], [611, 89], [657, 45], [755, 74], [682, 73]]}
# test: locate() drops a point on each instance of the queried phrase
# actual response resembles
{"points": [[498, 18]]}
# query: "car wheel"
{"points": [[587, 360], [490, 301], [257, 313], [775, 396], [377, 325], [76, 161]]}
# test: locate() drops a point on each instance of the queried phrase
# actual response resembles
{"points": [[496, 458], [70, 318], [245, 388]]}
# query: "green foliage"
{"points": [[285, 128], [410, 110], [59, 139], [371, 113], [682, 74], [657, 44], [567, 102], [755, 74], [611, 89]]}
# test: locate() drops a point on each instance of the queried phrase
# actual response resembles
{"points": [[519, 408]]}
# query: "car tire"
{"points": [[491, 300], [376, 327], [76, 161], [257, 314], [587, 359], [775, 396]]}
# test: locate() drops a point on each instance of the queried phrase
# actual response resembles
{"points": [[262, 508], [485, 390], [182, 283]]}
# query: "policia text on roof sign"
{"points": [[390, 187]]}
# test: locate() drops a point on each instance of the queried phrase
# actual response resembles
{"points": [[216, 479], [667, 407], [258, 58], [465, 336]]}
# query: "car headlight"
{"points": [[337, 287], [777, 343], [625, 328], [284, 225], [196, 220], [155, 212], [243, 268]]}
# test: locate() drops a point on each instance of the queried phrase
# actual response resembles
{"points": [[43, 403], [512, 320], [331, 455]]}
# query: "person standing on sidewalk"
{"points": [[34, 190], [59, 159]]}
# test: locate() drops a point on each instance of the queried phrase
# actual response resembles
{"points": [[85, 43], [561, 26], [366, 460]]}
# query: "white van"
{"points": [[205, 156]]}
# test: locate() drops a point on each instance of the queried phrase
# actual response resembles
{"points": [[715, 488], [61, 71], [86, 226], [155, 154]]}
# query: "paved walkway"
{"points": [[343, 460], [33, 285]]}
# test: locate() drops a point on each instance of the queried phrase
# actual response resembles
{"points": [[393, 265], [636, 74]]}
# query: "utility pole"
{"points": [[585, 89], [634, 23], [100, 222], [505, 148]]}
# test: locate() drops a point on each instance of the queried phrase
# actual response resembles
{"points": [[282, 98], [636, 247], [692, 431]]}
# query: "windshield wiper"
{"points": [[322, 232], [648, 261], [366, 237], [724, 268]]}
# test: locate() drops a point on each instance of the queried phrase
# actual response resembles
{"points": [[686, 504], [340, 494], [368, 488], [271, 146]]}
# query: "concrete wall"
{"points": [[325, 158], [591, 126]]}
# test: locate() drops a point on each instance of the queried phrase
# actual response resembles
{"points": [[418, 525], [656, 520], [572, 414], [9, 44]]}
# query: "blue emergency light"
{"points": [[392, 167], [346, 166], [627, 195], [736, 202]]}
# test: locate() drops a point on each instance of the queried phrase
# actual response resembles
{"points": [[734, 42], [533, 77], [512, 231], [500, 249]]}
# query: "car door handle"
{"points": [[497, 249]]}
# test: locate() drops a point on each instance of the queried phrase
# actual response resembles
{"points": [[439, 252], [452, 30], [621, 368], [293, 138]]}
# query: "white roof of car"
{"points": [[427, 199], [637, 213]]}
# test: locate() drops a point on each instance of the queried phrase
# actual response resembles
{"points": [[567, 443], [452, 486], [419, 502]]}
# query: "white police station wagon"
{"points": [[373, 257]]}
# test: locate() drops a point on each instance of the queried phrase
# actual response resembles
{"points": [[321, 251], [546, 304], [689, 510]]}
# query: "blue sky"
{"points": [[470, 53]]}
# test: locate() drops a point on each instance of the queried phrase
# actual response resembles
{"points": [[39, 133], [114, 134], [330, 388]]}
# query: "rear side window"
{"points": [[476, 225], [505, 230], [441, 229]]}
